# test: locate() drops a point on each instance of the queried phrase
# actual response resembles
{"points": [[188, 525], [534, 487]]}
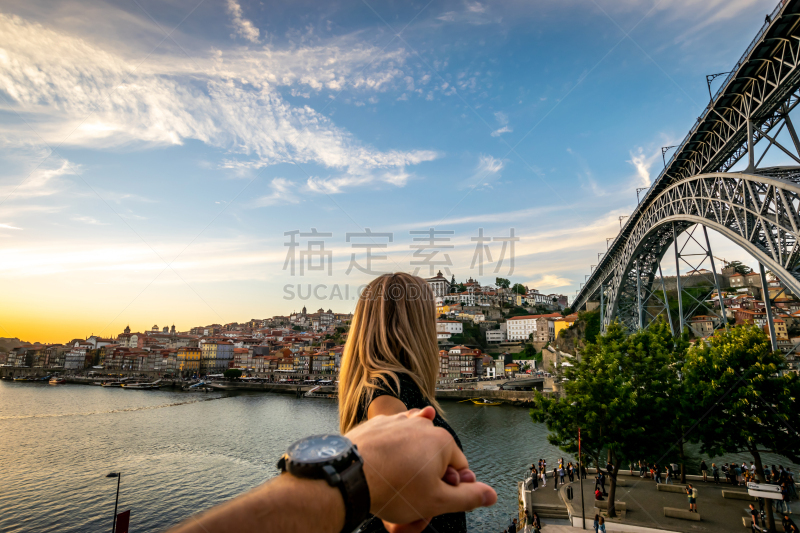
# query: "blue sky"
{"points": [[154, 153]]}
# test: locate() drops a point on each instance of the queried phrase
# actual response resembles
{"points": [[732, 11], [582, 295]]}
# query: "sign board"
{"points": [[765, 494], [764, 487]]}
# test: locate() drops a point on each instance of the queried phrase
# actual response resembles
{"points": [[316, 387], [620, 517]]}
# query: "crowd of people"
{"points": [[538, 473]]}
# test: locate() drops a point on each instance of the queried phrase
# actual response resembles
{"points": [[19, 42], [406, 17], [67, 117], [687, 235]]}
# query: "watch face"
{"points": [[319, 449]]}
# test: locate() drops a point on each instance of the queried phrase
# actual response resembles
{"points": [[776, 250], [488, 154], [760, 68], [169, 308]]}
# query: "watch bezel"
{"points": [[316, 469]]}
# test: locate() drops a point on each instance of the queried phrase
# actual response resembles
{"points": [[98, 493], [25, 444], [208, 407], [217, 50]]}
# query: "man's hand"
{"points": [[415, 470]]}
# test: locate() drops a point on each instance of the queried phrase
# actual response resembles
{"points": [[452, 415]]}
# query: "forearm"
{"points": [[284, 504]]}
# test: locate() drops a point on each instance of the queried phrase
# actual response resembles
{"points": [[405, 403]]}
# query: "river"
{"points": [[181, 452]]}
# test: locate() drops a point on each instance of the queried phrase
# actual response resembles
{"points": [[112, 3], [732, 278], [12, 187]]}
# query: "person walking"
{"points": [[562, 473], [657, 473], [753, 517], [692, 493], [668, 480], [571, 472], [583, 471], [704, 470], [596, 523], [602, 526], [642, 468], [543, 473], [715, 473], [555, 478]]}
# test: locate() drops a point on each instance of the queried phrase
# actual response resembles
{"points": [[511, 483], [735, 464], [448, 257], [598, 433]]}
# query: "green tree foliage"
{"points": [[517, 311], [566, 311], [232, 373], [619, 395], [472, 336], [749, 404], [518, 288], [740, 267], [503, 283], [592, 319]]}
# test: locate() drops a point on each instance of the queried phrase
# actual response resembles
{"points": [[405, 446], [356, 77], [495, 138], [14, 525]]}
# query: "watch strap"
{"points": [[355, 491]]}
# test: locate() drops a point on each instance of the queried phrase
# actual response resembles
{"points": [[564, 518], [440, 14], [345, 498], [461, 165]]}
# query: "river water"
{"points": [[182, 452]]}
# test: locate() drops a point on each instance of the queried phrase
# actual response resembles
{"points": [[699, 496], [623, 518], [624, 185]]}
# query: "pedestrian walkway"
{"points": [[645, 506]]}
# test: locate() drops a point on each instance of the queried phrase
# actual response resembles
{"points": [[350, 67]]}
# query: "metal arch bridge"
{"points": [[758, 208]]}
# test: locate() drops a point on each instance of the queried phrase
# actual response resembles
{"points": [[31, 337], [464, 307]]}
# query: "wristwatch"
{"points": [[336, 460]]}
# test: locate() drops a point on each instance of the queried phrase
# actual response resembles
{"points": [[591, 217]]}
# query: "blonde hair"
{"points": [[393, 331]]}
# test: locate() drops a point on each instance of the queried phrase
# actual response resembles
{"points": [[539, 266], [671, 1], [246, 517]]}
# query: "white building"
{"points": [[440, 287], [495, 335], [521, 327], [452, 327]]}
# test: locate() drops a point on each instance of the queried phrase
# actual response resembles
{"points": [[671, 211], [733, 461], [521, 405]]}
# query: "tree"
{"points": [[567, 311], [618, 393], [751, 404], [518, 288], [503, 283], [297, 328], [232, 373], [739, 267]]}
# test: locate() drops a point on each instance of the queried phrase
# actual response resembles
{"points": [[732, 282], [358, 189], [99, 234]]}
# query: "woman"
{"points": [[555, 478], [602, 525], [596, 522], [571, 472], [704, 470], [534, 478], [390, 365]]}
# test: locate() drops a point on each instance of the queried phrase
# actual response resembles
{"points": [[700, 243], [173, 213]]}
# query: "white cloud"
{"points": [[83, 95], [244, 28], [282, 193], [8, 226], [642, 163], [500, 131], [39, 180], [549, 281], [89, 220], [487, 170]]}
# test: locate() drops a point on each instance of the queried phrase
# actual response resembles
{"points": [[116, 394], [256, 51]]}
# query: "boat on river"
{"points": [[141, 386], [23, 378], [57, 381], [484, 401]]}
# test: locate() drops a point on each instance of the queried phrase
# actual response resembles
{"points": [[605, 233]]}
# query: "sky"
{"points": [[169, 162]]}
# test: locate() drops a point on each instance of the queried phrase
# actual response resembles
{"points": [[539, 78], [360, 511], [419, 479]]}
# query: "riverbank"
{"points": [[512, 397]]}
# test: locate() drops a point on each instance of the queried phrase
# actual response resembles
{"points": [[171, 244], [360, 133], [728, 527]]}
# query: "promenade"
{"points": [[644, 506]]}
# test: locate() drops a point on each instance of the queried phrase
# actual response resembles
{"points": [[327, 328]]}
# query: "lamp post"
{"points": [[117, 475]]}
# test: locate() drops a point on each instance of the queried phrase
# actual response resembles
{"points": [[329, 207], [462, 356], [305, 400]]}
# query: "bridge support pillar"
{"points": [[722, 314], [768, 307], [678, 278], [666, 300], [639, 294], [602, 309], [751, 153]]}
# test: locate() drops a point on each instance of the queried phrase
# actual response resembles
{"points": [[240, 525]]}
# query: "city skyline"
{"points": [[153, 164]]}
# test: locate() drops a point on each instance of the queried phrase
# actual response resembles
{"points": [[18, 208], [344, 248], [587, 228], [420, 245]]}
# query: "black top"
{"points": [[413, 398]]}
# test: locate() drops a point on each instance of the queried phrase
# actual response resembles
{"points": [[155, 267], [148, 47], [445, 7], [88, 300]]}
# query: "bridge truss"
{"points": [[758, 208]]}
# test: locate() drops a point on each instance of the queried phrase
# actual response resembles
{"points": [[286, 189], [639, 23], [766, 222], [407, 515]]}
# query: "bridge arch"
{"points": [[759, 212]]}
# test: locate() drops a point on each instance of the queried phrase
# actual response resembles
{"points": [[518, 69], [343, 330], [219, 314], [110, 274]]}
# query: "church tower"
{"points": [[127, 329]]}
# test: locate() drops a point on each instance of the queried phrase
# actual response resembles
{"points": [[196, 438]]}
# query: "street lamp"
{"points": [[117, 475]]}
